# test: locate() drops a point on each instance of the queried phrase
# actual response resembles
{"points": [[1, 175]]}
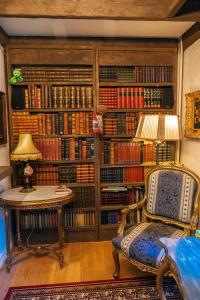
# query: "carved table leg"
{"points": [[19, 240], [117, 265], [60, 234], [7, 222], [164, 268]]}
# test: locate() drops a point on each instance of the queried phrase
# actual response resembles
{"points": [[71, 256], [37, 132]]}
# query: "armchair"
{"points": [[170, 208]]}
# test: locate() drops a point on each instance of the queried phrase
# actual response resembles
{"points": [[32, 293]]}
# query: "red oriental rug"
{"points": [[124, 289]]}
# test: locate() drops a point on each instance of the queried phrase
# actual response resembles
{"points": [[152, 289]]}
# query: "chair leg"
{"points": [[117, 264]]}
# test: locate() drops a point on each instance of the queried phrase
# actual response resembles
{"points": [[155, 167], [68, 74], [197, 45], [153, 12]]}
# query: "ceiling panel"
{"points": [[92, 28]]}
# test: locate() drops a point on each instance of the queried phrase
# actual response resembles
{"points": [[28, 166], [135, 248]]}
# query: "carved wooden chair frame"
{"points": [[188, 228]]}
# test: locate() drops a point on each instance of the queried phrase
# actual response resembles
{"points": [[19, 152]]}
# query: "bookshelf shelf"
{"points": [[80, 184], [127, 84], [128, 184], [64, 161], [145, 110], [147, 164], [81, 228], [118, 136], [62, 91], [41, 110], [82, 209], [112, 207], [24, 83], [63, 135]]}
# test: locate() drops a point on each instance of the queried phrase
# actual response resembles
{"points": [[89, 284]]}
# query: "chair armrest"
{"points": [[125, 211], [194, 222]]}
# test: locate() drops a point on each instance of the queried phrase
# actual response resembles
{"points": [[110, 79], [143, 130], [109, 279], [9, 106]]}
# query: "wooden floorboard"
{"points": [[83, 262]]}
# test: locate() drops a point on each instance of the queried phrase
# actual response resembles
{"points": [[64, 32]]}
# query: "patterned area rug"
{"points": [[124, 289]]}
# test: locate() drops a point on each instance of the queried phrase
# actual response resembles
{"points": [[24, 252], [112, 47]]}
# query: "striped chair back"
{"points": [[171, 194]]}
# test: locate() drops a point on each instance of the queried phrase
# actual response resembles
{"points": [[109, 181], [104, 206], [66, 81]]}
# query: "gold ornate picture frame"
{"points": [[192, 115]]}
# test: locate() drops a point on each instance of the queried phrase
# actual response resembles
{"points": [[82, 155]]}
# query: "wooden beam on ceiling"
{"points": [[101, 9], [171, 7], [166, 10], [191, 35], [193, 17]]}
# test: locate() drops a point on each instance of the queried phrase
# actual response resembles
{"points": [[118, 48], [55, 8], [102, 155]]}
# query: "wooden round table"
{"points": [[43, 197]]}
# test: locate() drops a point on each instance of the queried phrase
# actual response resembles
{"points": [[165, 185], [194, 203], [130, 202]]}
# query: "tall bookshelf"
{"points": [[55, 102], [63, 84], [130, 84]]}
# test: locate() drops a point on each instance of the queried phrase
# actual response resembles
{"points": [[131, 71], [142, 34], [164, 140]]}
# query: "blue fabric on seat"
{"points": [[141, 242], [171, 194]]}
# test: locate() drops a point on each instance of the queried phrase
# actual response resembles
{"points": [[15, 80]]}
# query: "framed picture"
{"points": [[3, 119], [192, 115]]}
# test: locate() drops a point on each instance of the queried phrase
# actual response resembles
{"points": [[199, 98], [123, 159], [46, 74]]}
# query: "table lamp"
{"points": [[158, 129], [26, 151]]}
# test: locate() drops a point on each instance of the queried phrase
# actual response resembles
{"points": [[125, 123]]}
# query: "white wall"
{"points": [[4, 161], [190, 148]]}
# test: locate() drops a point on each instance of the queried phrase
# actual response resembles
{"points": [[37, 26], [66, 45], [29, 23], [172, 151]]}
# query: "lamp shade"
{"points": [[159, 128], [25, 149]]}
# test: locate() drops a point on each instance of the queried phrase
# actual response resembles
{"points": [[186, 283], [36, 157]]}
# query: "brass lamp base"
{"points": [[27, 189]]}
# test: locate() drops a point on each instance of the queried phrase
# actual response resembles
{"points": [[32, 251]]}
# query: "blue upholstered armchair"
{"points": [[170, 208]]}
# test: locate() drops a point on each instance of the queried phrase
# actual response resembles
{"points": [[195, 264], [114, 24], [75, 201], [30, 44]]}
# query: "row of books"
{"points": [[136, 97], [127, 152], [24, 122], [65, 148], [120, 123], [53, 174], [158, 97], [115, 123], [65, 123], [83, 197], [47, 96], [127, 196], [77, 148], [128, 174], [57, 74], [43, 175], [136, 74], [50, 148], [49, 219], [166, 152], [114, 217], [110, 217], [74, 219], [80, 173], [72, 123], [52, 124]]}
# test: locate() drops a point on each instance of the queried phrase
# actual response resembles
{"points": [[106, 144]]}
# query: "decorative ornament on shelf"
{"points": [[97, 124], [97, 120], [17, 77]]}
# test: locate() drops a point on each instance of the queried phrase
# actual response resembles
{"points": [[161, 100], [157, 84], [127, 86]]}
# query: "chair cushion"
{"points": [[171, 194], [141, 242]]}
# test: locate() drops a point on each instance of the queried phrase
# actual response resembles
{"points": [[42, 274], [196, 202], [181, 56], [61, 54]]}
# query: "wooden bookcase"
{"points": [[64, 83], [130, 83]]}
